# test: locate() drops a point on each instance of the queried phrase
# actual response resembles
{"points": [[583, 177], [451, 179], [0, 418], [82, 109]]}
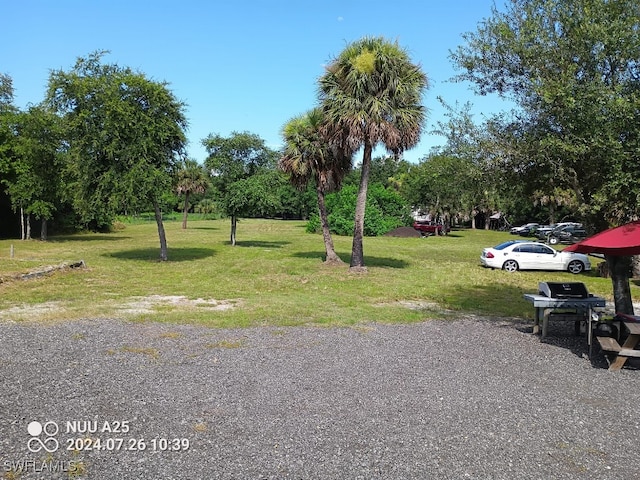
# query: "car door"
{"points": [[525, 256], [547, 258]]}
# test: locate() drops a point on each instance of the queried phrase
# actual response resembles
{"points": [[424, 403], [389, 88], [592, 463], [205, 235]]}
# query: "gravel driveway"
{"points": [[469, 398]]}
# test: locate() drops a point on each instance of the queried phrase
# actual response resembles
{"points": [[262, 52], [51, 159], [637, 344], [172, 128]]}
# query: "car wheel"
{"points": [[575, 266], [510, 266], [553, 240]]}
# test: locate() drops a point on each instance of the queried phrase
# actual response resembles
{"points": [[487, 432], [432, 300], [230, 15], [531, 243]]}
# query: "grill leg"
{"points": [[536, 321], [545, 321]]}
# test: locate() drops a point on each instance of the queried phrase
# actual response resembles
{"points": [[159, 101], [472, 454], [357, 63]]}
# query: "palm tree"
{"points": [[371, 94], [190, 178], [307, 156]]}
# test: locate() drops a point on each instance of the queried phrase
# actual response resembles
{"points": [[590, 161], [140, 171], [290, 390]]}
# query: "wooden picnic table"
{"points": [[625, 351]]}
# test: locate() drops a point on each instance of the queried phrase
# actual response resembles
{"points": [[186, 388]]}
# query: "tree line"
{"points": [[107, 140]]}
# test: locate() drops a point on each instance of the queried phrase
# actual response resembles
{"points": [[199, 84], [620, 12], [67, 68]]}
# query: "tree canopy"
{"points": [[126, 136], [38, 164], [573, 69], [238, 168]]}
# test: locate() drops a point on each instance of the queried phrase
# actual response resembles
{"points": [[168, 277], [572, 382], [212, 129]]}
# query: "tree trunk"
{"points": [[234, 222], [619, 269], [357, 252], [552, 213], [43, 230], [28, 226], [22, 229], [636, 266], [331, 256], [185, 210], [161, 233]]}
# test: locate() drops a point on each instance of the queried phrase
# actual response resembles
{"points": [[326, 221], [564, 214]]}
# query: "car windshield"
{"points": [[504, 245]]}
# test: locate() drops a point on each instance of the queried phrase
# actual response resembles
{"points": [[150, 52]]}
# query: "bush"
{"points": [[385, 210], [313, 224]]}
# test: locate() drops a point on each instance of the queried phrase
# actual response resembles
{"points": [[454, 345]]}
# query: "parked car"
{"points": [[517, 255], [566, 234], [522, 228], [543, 231], [427, 228], [529, 231]]}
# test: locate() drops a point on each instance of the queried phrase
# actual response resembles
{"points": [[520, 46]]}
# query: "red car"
{"points": [[431, 228]]}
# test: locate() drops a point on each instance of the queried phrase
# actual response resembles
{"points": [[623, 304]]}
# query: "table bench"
{"points": [[625, 351]]}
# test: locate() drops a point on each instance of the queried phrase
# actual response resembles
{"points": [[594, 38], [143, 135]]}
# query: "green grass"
{"points": [[274, 276]]}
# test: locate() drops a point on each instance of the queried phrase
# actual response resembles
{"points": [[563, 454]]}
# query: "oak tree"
{"points": [[126, 135]]}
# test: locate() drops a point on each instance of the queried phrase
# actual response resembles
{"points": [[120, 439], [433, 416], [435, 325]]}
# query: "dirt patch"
{"points": [[403, 232], [29, 312], [140, 305], [123, 308]]}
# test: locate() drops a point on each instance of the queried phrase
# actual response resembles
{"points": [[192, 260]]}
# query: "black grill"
{"points": [[574, 290], [563, 301]]}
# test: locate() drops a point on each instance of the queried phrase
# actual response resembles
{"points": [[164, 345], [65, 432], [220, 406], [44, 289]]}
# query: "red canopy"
{"points": [[623, 240]]}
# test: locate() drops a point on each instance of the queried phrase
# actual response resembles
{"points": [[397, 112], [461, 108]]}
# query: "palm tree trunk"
{"points": [[161, 232], [357, 252], [185, 210], [234, 222], [619, 268], [331, 256]]}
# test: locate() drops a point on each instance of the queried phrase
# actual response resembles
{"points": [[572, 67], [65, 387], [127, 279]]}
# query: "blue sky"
{"points": [[242, 65]]}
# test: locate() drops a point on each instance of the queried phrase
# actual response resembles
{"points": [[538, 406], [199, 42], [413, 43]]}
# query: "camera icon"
{"points": [[49, 444]]}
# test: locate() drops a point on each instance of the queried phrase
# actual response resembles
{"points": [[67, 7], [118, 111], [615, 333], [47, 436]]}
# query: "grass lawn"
{"points": [[274, 276]]}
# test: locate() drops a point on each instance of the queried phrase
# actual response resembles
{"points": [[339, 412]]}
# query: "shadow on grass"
{"points": [[320, 255], [499, 299], [86, 238], [153, 254], [385, 262], [259, 244], [382, 262], [507, 305]]}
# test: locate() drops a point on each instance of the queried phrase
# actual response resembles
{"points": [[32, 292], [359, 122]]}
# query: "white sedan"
{"points": [[517, 255]]}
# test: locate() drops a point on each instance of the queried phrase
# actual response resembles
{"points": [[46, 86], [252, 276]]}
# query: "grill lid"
{"points": [[563, 290]]}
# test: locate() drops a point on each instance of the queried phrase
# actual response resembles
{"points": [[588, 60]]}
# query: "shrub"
{"points": [[385, 210]]}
